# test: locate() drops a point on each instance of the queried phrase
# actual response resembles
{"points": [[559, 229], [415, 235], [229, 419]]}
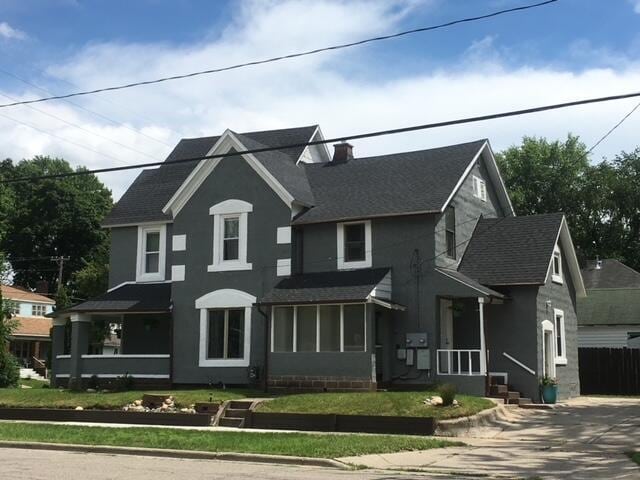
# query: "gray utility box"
{"points": [[416, 340]]}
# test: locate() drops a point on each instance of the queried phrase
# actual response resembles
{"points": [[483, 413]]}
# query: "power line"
{"points": [[614, 128], [283, 57], [92, 112], [358, 136]]}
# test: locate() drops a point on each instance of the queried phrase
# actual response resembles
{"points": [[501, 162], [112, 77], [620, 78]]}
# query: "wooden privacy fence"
{"points": [[614, 371]]}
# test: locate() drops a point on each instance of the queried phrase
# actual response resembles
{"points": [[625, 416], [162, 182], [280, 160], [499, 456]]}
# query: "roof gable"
{"points": [[10, 292], [396, 184]]}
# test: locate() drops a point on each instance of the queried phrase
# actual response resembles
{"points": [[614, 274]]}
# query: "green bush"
{"points": [[448, 394], [124, 383], [93, 382], [9, 369]]}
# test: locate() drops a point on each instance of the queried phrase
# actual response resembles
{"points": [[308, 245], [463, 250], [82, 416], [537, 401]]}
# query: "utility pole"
{"points": [[60, 261]]}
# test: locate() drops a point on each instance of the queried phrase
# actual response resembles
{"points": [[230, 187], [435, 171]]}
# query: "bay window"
{"points": [[319, 328]]}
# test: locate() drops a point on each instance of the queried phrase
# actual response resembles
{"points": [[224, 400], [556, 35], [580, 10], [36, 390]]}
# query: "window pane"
{"points": [[230, 249], [152, 263], [450, 235], [354, 242], [235, 345], [306, 329], [556, 264], [330, 328], [559, 351], [153, 242], [283, 329], [354, 328], [231, 229], [451, 244], [215, 347]]}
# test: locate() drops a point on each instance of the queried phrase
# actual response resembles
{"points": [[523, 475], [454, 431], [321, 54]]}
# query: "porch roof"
{"points": [[468, 284], [327, 287], [126, 298]]}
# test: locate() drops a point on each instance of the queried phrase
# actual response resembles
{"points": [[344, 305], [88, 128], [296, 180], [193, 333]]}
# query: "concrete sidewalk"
{"points": [[586, 439]]}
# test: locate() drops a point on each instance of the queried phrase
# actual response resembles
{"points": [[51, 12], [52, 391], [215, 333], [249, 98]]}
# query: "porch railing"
{"points": [[459, 362]]}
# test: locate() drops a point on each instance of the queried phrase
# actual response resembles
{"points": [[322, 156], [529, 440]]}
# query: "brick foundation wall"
{"points": [[320, 384]]}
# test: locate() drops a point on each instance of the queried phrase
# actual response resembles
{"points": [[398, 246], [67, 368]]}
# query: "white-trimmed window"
{"points": [[479, 188], [450, 232], [354, 245], [151, 253], [319, 328], [230, 231], [225, 328], [38, 310], [560, 338], [556, 265]]}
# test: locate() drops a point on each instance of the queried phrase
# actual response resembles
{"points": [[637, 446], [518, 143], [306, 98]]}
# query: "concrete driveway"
{"points": [[586, 438]]}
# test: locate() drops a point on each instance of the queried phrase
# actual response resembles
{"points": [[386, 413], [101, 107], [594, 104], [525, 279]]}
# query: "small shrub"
{"points": [[124, 383], [9, 369], [448, 394], [548, 381]]}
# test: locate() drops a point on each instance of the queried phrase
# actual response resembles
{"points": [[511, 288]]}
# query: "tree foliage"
{"points": [[52, 217], [601, 201], [9, 369]]}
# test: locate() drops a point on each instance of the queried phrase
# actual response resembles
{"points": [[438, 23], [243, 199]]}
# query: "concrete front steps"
{"points": [[510, 396], [235, 413], [31, 373]]}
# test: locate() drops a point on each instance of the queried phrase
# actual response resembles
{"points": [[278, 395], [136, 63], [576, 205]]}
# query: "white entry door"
{"points": [[548, 349]]}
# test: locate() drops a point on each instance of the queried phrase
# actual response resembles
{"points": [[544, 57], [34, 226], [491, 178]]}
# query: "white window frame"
{"points": [[221, 211], [35, 307], [224, 299], [547, 326], [318, 323], [479, 188], [559, 360], [368, 247], [556, 277], [141, 275]]}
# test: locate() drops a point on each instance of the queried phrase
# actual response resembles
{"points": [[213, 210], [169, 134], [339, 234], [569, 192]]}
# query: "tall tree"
{"points": [[52, 217]]}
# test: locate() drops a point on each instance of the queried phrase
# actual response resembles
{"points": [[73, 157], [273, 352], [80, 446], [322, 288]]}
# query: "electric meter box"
{"points": [[416, 340]]}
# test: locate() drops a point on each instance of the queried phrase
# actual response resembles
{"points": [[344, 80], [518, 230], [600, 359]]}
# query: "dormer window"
{"points": [[151, 253], [450, 232], [556, 266], [230, 232], [354, 245]]}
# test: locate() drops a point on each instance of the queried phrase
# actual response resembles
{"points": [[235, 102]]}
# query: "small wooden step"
{"points": [[239, 405], [498, 390], [231, 422]]}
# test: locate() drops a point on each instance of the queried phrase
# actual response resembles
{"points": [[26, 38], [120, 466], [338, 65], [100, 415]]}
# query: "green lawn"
{"points": [[297, 444], [375, 403], [39, 397]]}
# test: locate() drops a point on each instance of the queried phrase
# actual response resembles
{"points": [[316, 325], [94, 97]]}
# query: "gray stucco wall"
{"points": [[561, 297], [124, 252], [468, 209], [512, 327], [233, 178]]}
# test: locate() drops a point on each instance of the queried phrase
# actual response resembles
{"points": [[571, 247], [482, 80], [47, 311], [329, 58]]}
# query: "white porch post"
{"points": [[483, 347]]}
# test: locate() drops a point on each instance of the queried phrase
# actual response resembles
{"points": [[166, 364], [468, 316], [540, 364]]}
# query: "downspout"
{"points": [[265, 376], [171, 321]]}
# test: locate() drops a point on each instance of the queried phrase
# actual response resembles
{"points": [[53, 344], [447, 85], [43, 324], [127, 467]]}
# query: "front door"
{"points": [[548, 350]]}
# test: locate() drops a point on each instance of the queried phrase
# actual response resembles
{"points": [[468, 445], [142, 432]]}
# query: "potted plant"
{"points": [[549, 387]]}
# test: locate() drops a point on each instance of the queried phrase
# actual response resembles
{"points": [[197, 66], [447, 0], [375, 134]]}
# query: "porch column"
{"points": [[483, 347], [80, 324], [57, 346]]}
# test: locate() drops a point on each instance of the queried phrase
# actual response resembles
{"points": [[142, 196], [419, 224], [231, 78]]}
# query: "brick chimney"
{"points": [[343, 152]]}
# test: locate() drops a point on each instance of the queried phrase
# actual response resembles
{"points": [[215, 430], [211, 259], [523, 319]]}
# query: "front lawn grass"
{"points": [[297, 444], [406, 404], [40, 397]]}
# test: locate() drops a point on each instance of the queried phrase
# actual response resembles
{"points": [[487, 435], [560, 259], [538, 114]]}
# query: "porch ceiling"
{"points": [[127, 298]]}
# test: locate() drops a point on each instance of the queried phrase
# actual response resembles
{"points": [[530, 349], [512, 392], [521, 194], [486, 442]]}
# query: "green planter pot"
{"points": [[549, 393]]}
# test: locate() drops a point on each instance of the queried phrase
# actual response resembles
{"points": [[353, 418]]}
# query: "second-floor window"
{"points": [[450, 232], [230, 235], [38, 310], [479, 188], [151, 253], [354, 245], [556, 266]]}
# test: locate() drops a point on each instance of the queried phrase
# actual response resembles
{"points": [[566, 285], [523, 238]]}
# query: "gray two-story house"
{"points": [[300, 269]]}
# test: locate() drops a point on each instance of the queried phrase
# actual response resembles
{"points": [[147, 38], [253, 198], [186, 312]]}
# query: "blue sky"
{"points": [[571, 49]]}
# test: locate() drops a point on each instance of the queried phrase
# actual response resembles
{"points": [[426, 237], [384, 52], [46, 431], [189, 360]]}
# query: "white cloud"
{"points": [[10, 33], [636, 5], [332, 89]]}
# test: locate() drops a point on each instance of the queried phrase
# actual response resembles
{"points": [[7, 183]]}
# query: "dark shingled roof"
{"points": [[150, 192], [470, 282], [388, 184], [324, 287], [511, 250], [129, 298], [612, 274], [619, 306]]}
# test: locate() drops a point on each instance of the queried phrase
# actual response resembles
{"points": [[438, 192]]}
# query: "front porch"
{"points": [[111, 337]]}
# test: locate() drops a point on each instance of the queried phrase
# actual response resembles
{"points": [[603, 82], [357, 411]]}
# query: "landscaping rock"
{"points": [[25, 386], [91, 390], [436, 401], [79, 408], [137, 403], [153, 401]]}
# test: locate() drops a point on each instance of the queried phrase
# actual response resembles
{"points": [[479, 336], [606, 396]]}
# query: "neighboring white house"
{"points": [[610, 314]]}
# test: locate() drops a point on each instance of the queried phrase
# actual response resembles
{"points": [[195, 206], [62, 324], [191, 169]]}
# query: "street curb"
{"points": [[456, 426], [182, 454]]}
